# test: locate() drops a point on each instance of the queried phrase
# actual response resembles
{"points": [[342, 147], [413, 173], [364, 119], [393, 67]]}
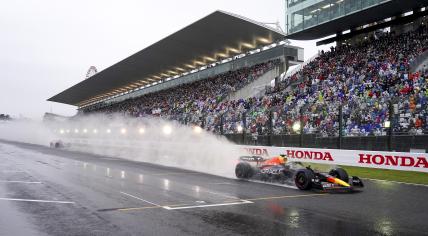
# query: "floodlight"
{"points": [[296, 126], [197, 129], [167, 130], [387, 124]]}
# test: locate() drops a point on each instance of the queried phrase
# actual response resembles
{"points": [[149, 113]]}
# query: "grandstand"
{"points": [[368, 92], [218, 43]]}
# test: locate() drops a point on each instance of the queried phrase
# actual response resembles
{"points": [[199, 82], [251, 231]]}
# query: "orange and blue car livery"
{"points": [[278, 170]]}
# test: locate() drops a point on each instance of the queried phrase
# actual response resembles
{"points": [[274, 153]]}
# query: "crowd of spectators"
{"points": [[192, 98], [367, 80]]}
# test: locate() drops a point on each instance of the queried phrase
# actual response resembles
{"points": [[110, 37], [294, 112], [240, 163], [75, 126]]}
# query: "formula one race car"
{"points": [[278, 170], [58, 144]]}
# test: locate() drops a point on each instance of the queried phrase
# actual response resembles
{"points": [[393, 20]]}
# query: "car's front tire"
{"points": [[303, 179], [340, 174]]}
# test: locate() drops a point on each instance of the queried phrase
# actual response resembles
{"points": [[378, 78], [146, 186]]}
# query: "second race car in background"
{"points": [[58, 144], [278, 170]]}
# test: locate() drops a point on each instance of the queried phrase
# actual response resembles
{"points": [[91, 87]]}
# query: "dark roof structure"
{"points": [[215, 37], [359, 18]]}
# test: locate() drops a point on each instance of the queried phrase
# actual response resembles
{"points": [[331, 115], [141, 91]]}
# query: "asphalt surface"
{"points": [[47, 191]]}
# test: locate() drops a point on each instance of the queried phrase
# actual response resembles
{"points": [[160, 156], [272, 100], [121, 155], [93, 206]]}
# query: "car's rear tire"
{"points": [[340, 174], [303, 179], [243, 170]]}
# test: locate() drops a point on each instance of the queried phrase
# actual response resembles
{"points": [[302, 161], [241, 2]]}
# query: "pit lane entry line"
{"points": [[149, 207], [207, 205], [151, 203], [22, 182], [232, 202], [244, 201], [35, 200], [175, 173], [286, 196], [183, 207]]}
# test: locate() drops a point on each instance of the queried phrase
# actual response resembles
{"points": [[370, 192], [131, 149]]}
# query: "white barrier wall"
{"points": [[360, 158]]}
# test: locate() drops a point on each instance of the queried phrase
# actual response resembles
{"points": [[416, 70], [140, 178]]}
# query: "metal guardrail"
{"points": [[340, 128], [400, 143]]}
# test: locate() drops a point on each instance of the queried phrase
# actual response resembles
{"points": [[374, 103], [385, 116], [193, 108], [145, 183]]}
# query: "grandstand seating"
{"points": [[365, 79], [188, 98]]}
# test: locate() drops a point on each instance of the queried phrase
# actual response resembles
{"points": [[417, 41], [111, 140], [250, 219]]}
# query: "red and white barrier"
{"points": [[360, 158]]}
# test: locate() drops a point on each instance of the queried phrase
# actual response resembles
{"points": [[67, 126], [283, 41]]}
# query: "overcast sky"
{"points": [[47, 46]]}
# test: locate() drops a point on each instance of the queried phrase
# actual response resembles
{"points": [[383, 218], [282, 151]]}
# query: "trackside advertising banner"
{"points": [[360, 158]]}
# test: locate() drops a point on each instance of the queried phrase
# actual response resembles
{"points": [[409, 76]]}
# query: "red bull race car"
{"points": [[279, 170]]}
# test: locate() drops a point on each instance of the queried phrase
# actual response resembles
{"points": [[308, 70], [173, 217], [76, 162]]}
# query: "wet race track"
{"points": [[55, 192]]}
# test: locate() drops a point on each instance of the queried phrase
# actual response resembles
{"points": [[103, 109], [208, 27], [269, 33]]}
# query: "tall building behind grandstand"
{"points": [[315, 19], [303, 15]]}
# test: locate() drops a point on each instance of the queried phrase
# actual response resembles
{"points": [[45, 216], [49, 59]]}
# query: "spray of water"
{"points": [[140, 139], [26, 131]]}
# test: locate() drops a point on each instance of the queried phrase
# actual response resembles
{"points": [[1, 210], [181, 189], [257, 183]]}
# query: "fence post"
{"points": [[339, 144], [244, 128], [203, 122], [270, 128], [391, 125], [221, 124], [301, 128]]}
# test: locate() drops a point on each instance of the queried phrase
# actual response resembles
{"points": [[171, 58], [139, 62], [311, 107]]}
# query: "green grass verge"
{"points": [[392, 175], [382, 174]]}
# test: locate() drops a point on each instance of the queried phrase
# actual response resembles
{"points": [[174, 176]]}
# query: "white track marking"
{"points": [[220, 194], [224, 183], [129, 195], [176, 173], [396, 182], [22, 182], [35, 200], [208, 205], [275, 184]]}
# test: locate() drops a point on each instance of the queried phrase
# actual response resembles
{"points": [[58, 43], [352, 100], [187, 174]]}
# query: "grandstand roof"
{"points": [[212, 38], [359, 18]]}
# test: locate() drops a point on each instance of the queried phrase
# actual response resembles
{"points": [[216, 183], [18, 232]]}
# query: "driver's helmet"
{"points": [[282, 159]]}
